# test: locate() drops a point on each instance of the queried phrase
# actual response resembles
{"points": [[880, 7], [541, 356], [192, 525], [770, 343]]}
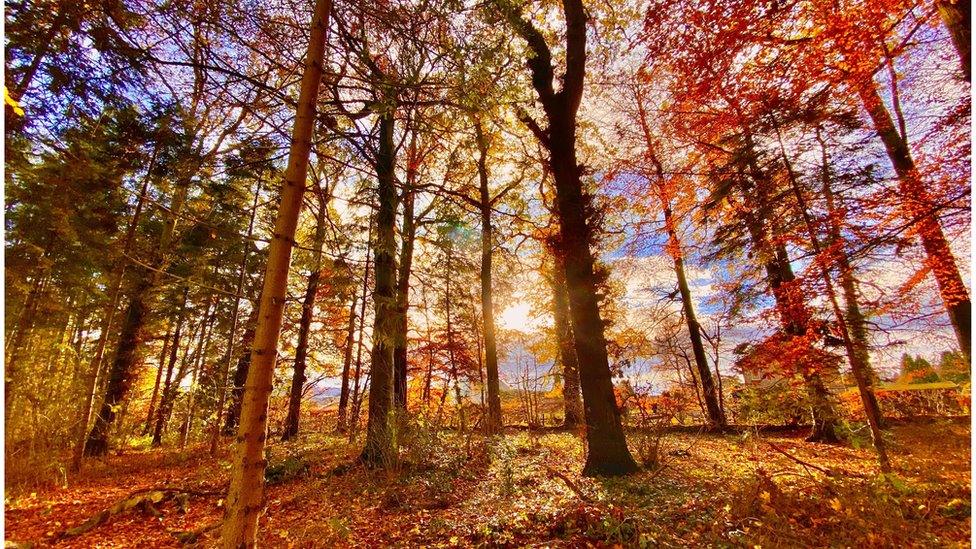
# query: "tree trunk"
{"points": [[494, 419], [921, 211], [346, 366], [245, 496], [716, 416], [380, 446], [240, 376], [111, 310], [130, 337], [354, 416], [407, 233], [791, 306], [607, 452], [230, 425], [308, 308], [956, 16], [202, 345], [572, 403], [715, 413], [166, 399], [852, 325], [159, 375]]}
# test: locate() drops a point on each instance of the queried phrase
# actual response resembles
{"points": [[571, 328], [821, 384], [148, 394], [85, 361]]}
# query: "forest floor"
{"points": [[525, 490]]}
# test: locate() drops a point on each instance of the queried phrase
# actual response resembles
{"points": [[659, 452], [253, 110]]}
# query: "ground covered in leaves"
{"points": [[525, 490]]}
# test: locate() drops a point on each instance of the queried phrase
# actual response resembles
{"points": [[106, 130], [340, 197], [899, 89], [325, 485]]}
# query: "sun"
{"points": [[518, 316]]}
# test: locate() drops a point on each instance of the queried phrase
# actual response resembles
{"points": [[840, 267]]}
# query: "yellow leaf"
{"points": [[765, 496], [12, 102], [836, 504]]}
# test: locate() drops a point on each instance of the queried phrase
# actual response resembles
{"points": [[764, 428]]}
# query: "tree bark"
{"points": [[715, 413], [202, 345], [111, 310], [346, 366], [380, 445], [572, 401], [922, 212], [852, 325], [166, 399], [956, 16], [131, 335], [308, 308], [494, 420], [246, 493], [159, 375], [408, 232], [343, 396]]}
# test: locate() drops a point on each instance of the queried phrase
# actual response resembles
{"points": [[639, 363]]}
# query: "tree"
{"points": [[607, 452], [244, 497], [916, 370]]}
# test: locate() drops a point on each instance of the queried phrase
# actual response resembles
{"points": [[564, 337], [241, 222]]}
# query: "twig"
{"points": [[569, 482], [805, 464]]}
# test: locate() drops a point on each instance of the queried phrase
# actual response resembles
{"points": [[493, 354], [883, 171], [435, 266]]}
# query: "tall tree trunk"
{"points": [[346, 366], [407, 233], [380, 445], [607, 452], [790, 303], [920, 210], [716, 415], [852, 325], [572, 402], [308, 308], [246, 493], [231, 424], [202, 346], [118, 275], [494, 420], [956, 16], [159, 376], [131, 335], [353, 425], [168, 394]]}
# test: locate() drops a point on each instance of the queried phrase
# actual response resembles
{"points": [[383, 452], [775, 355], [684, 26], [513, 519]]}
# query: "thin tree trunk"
{"points": [[230, 425], [353, 426], [715, 413], [308, 308], [166, 399], [346, 366], [159, 375], [407, 233], [494, 420], [246, 493], [201, 353], [920, 210]]}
